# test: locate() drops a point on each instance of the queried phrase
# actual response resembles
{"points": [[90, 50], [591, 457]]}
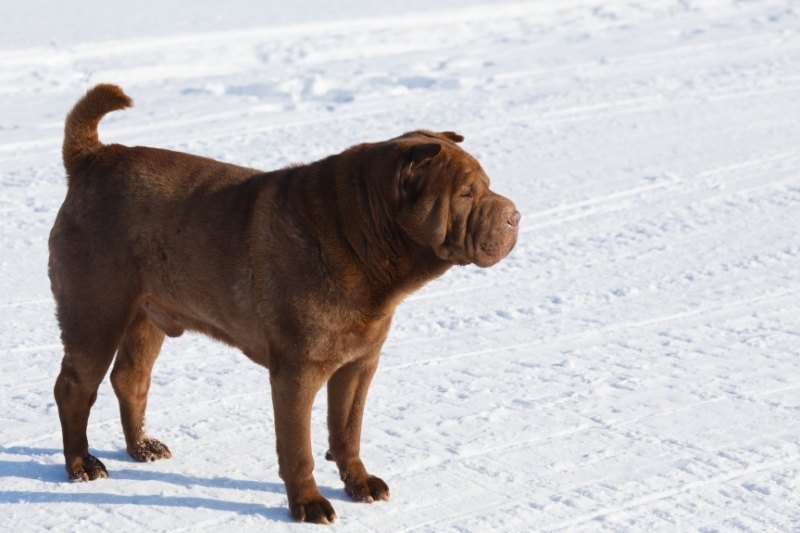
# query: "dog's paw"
{"points": [[369, 489], [316, 510], [149, 450], [91, 468]]}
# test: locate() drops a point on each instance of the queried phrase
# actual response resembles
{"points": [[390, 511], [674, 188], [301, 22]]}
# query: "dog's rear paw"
{"points": [[149, 450], [370, 489], [89, 469], [316, 510]]}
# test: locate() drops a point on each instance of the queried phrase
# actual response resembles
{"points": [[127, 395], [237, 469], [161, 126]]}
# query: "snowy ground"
{"points": [[633, 365]]}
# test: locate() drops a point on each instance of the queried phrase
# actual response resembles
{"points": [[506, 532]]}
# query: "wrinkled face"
{"points": [[445, 202]]}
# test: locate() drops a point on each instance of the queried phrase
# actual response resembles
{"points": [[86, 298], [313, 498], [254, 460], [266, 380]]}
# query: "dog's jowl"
{"points": [[300, 268]]}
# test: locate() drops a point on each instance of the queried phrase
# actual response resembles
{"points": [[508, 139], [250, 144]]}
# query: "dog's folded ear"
{"points": [[413, 169], [441, 135], [421, 152], [453, 136]]}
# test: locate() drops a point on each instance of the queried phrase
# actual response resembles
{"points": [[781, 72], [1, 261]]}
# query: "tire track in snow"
{"points": [[643, 59], [619, 200], [791, 461], [611, 425], [601, 333], [436, 524], [596, 205]]}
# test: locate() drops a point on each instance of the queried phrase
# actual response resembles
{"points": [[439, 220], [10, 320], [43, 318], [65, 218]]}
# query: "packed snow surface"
{"points": [[634, 364]]}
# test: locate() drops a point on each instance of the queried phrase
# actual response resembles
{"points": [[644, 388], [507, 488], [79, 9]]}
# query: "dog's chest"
{"points": [[347, 340]]}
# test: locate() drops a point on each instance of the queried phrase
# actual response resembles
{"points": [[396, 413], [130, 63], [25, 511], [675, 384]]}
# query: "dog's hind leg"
{"points": [[96, 299], [130, 378], [87, 357]]}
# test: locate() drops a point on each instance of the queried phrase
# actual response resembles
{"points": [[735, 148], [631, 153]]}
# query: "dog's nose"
{"points": [[513, 220]]}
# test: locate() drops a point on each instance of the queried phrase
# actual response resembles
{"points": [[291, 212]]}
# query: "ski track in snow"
{"points": [[631, 366]]}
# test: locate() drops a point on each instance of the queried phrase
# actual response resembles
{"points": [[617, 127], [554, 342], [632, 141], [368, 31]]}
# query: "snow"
{"points": [[631, 366]]}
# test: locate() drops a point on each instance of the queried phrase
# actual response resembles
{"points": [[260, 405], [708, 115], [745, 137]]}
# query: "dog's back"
{"points": [[115, 239], [116, 168]]}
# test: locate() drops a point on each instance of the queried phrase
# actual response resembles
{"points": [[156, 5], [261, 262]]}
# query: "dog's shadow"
{"points": [[54, 473]]}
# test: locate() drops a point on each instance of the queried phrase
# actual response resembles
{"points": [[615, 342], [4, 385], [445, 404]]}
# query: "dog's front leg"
{"points": [[347, 393], [293, 392]]}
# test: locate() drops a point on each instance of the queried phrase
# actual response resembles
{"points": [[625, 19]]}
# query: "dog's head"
{"points": [[444, 201]]}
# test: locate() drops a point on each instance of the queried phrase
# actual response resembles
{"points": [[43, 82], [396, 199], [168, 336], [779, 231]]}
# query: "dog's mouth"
{"points": [[493, 241], [491, 253]]}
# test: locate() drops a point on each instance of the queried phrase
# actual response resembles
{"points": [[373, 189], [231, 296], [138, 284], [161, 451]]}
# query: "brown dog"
{"points": [[300, 268]]}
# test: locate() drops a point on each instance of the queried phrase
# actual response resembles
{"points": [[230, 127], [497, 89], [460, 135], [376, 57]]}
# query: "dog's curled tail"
{"points": [[80, 130]]}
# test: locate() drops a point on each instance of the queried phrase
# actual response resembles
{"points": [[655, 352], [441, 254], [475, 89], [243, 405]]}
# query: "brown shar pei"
{"points": [[300, 268]]}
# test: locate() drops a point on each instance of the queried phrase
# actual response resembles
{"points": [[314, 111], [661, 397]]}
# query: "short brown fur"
{"points": [[300, 268]]}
